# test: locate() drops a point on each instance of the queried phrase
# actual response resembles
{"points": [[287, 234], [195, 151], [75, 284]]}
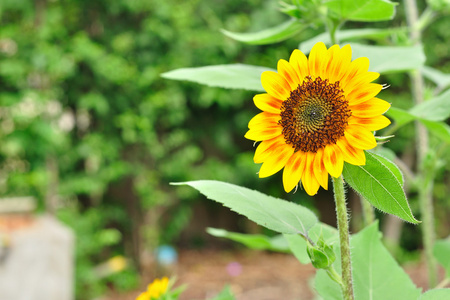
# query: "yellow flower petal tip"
{"points": [[318, 112]]}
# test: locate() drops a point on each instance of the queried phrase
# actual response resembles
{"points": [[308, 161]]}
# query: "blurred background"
{"points": [[91, 137]]}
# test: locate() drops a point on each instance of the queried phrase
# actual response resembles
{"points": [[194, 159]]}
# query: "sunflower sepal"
{"points": [[321, 254]]}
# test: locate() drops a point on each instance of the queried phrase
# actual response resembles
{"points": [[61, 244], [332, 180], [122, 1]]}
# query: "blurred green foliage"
{"points": [[86, 119]]}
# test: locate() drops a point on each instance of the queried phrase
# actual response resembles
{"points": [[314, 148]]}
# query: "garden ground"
{"points": [[251, 275]]}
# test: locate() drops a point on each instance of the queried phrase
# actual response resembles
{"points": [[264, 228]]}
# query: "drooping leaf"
{"points": [[387, 59], [348, 35], [268, 36], [440, 129], [442, 80], [235, 76], [376, 274], [276, 214], [436, 294], [400, 116], [377, 183], [362, 10], [441, 251], [436, 109], [297, 244], [253, 241]]}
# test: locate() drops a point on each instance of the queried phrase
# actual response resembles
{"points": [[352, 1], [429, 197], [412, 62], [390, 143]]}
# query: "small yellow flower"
{"points": [[317, 113], [155, 289]]}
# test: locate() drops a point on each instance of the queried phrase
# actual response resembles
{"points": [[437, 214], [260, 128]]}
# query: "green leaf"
{"points": [[253, 241], [442, 80], [435, 109], [276, 214], [400, 116], [376, 182], [376, 274], [297, 244], [440, 129], [392, 167], [436, 294], [268, 36], [225, 294], [235, 76], [362, 10], [348, 35], [441, 251], [386, 59]]}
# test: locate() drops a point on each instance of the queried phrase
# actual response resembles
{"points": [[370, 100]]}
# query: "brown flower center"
{"points": [[315, 115]]}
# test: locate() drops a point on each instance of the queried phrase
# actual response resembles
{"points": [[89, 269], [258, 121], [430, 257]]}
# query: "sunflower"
{"points": [[155, 289], [317, 113]]}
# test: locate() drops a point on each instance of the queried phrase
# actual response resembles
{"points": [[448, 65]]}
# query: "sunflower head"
{"points": [[317, 113]]}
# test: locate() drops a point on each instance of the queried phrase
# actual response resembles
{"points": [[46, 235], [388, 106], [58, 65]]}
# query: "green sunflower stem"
{"points": [[344, 237]]}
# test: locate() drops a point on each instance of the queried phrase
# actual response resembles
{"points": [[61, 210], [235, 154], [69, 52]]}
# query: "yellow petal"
{"points": [[359, 137], [263, 133], [319, 169], [264, 119], [356, 67], [293, 170], [266, 148], [317, 60], [371, 124], [286, 70], [276, 161], [267, 103], [333, 160], [299, 62], [359, 82], [309, 181], [351, 154], [339, 64], [275, 85], [369, 108], [363, 93]]}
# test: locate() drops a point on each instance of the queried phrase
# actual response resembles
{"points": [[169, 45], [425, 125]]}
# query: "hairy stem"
{"points": [[425, 191], [344, 237]]}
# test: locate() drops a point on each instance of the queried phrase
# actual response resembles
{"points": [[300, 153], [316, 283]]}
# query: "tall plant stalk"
{"points": [[344, 237], [422, 145]]}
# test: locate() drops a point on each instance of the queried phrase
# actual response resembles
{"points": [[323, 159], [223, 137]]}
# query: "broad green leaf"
{"points": [[435, 109], [441, 251], [436, 294], [268, 36], [348, 35], [276, 214], [377, 183], [400, 116], [440, 129], [253, 241], [362, 10], [235, 76], [386, 59], [442, 80], [392, 167], [386, 152], [297, 244], [376, 274]]}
